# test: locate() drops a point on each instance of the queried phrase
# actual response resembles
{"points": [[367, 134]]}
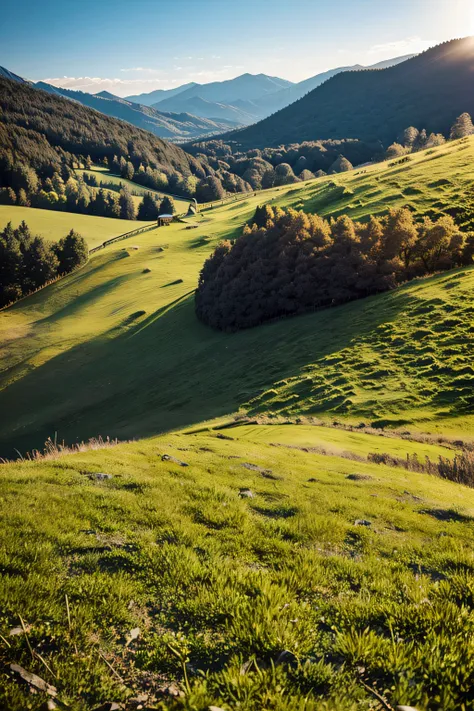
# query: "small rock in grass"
{"points": [[358, 477], [132, 635], [312, 480], [147, 270], [171, 690], [406, 708], [18, 630], [214, 708], [362, 522], [266, 473], [246, 494], [100, 476], [109, 706], [169, 458], [33, 680]]}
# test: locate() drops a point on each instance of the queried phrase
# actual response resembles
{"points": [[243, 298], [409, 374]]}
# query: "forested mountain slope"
{"points": [[165, 124], [428, 91], [39, 129]]}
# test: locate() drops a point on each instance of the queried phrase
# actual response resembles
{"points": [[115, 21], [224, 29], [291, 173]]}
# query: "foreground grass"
{"points": [[53, 225], [123, 331], [280, 600]]}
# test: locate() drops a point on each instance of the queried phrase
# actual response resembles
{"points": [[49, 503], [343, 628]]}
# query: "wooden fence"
{"points": [[125, 235]]}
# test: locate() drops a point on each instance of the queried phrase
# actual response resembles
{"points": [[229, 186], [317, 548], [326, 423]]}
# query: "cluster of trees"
{"points": [[412, 140], [28, 262], [78, 194], [271, 167], [287, 263], [284, 165]]}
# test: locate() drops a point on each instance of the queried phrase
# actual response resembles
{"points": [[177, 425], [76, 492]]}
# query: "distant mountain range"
{"points": [[194, 111], [246, 99], [428, 91], [172, 126]]}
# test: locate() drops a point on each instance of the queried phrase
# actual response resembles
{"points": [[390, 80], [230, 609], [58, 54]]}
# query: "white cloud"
{"points": [[122, 86], [115, 85], [408, 45], [149, 70]]}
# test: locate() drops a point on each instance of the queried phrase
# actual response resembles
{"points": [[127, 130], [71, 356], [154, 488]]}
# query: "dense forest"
{"points": [[44, 137], [286, 164], [428, 90], [271, 167], [287, 263], [28, 262]]}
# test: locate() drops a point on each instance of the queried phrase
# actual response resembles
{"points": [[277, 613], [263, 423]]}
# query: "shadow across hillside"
{"points": [[171, 371]]}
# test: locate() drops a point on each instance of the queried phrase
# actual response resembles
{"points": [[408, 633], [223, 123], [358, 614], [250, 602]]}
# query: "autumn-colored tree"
{"points": [[291, 262]]}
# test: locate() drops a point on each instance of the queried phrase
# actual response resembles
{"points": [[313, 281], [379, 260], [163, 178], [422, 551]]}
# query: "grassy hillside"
{"points": [[124, 328], [54, 225], [136, 189], [258, 576], [427, 91]]}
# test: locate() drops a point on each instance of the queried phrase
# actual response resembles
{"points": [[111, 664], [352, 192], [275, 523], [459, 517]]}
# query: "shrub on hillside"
{"points": [[290, 262]]}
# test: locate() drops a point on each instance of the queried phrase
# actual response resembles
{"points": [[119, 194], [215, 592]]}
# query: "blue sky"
{"points": [[129, 47]]}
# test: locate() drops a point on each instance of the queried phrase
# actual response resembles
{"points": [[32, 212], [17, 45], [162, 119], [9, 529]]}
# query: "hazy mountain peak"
{"points": [[7, 74]]}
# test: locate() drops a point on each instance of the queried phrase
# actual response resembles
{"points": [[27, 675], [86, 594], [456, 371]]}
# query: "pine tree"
{"points": [[167, 206], [148, 208]]}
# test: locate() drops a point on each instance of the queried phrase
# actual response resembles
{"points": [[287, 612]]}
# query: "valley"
{"points": [[337, 362], [236, 374]]}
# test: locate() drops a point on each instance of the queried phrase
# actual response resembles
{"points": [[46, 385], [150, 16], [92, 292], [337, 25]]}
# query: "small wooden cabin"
{"points": [[164, 220]]}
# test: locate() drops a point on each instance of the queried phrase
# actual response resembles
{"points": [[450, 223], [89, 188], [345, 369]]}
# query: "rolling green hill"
{"points": [[137, 190], [253, 555], [260, 575], [124, 328], [54, 225], [426, 91]]}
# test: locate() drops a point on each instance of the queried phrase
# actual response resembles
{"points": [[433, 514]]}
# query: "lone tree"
{"points": [[463, 126], [167, 206]]}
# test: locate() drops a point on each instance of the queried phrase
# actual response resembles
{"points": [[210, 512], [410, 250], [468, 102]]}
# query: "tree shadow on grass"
{"points": [[171, 371]]}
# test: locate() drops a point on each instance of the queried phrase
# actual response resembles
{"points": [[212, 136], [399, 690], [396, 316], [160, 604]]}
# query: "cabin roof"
{"points": [[167, 217]]}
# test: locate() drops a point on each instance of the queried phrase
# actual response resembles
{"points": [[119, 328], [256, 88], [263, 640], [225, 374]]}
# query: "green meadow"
{"points": [[240, 549], [124, 327], [257, 576], [54, 225], [137, 190]]}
